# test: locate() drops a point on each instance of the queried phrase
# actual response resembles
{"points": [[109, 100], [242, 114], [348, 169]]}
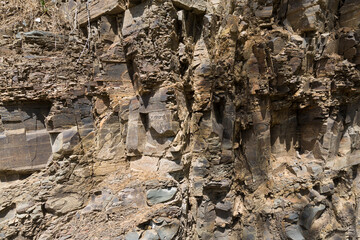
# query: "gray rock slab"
{"points": [[294, 233], [309, 214], [150, 235], [167, 232], [155, 196]]}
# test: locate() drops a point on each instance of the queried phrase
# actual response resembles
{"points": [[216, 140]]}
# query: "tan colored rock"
{"points": [[145, 164], [63, 205]]}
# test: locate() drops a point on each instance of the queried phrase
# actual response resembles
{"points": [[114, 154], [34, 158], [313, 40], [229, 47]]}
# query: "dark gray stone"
{"points": [[309, 214]]}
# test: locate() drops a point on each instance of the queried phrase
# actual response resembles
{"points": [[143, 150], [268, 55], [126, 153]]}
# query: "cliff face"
{"points": [[180, 119]]}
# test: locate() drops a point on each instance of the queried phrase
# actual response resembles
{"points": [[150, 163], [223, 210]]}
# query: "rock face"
{"points": [[25, 143], [180, 119]]}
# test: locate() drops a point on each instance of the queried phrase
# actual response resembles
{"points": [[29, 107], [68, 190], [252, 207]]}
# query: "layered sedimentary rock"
{"points": [[180, 119], [24, 141]]}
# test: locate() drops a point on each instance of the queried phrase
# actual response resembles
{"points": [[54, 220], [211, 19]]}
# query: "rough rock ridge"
{"points": [[180, 119]]}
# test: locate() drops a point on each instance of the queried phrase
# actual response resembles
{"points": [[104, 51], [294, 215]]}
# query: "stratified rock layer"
{"points": [[180, 119]]}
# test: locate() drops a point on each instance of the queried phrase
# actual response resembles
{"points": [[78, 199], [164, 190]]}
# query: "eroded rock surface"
{"points": [[180, 119]]}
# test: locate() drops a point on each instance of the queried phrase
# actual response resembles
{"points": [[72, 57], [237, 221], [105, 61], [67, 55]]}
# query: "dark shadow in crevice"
{"points": [[14, 176], [33, 109], [130, 68], [145, 120], [219, 108], [4, 213]]}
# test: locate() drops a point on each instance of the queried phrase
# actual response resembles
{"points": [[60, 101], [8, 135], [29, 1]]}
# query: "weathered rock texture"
{"points": [[180, 119]]}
